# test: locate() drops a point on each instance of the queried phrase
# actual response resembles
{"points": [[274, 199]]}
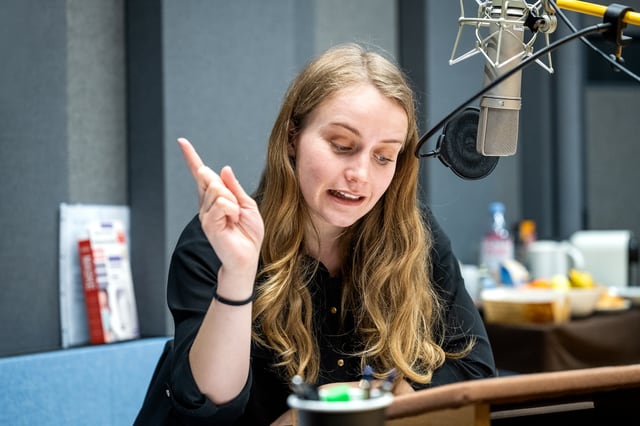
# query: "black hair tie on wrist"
{"points": [[228, 302]]}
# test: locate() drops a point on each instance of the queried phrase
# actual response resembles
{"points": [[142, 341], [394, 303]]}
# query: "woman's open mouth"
{"points": [[345, 195]]}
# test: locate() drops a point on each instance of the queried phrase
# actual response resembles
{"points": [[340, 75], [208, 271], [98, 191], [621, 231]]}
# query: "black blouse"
{"points": [[173, 397]]}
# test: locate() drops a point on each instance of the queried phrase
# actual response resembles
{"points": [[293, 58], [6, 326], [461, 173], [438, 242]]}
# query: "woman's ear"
{"points": [[291, 149], [291, 145]]}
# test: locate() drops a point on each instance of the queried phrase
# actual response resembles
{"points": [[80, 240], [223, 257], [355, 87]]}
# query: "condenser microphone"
{"points": [[500, 106]]}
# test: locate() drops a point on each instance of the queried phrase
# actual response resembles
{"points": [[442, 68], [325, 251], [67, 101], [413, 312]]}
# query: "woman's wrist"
{"points": [[234, 302], [235, 287]]}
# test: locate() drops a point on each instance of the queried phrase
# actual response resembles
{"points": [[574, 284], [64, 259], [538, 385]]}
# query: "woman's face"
{"points": [[346, 155]]}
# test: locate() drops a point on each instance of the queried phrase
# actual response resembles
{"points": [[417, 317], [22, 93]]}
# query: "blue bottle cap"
{"points": [[496, 206]]}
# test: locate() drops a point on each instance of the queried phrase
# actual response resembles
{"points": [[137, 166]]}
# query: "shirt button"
{"points": [[333, 309], [340, 362], [167, 392]]}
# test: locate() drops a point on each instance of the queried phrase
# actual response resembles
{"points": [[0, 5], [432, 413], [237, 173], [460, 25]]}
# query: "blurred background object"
{"points": [[611, 256]]}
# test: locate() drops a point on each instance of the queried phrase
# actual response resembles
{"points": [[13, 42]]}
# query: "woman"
{"points": [[332, 265]]}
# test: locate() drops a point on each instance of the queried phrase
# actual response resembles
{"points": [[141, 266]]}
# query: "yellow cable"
{"points": [[592, 9]]}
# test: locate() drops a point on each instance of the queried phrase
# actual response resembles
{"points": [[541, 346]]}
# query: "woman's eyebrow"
{"points": [[345, 126], [357, 133]]}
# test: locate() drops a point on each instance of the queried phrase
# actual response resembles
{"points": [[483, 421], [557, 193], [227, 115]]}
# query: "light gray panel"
{"points": [[97, 105], [367, 21], [613, 151], [226, 67]]}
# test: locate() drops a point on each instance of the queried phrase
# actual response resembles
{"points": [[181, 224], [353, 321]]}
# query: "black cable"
{"points": [[592, 46], [588, 30]]}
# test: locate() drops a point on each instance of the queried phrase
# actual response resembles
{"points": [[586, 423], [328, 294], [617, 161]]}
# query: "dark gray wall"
{"points": [[35, 166], [145, 137], [613, 149]]}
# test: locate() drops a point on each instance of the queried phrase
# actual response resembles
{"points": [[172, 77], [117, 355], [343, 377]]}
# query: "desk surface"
{"points": [[596, 341], [592, 396]]}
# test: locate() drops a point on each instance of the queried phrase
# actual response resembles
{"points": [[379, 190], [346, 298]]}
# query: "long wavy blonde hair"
{"points": [[386, 275]]}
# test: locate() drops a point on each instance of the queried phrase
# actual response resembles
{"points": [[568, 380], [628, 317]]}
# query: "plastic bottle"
{"points": [[525, 234], [497, 244]]}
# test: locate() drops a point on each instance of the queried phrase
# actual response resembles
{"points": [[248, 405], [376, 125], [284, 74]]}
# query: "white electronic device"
{"points": [[608, 255]]}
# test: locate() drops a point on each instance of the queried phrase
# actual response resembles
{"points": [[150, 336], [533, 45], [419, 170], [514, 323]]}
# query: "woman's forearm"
{"points": [[219, 356]]}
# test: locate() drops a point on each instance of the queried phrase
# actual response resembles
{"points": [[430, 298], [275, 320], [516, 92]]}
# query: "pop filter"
{"points": [[456, 147]]}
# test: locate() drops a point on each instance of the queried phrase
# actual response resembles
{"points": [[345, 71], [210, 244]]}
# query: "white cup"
{"points": [[364, 412], [546, 258], [471, 277]]}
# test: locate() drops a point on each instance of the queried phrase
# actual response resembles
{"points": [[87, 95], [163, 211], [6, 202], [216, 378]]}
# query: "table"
{"points": [[591, 396], [603, 339]]}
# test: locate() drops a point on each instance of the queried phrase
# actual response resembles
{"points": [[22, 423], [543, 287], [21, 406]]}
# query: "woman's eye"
{"points": [[341, 148], [382, 159]]}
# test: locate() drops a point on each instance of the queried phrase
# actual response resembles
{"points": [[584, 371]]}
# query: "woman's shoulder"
{"points": [[444, 262], [192, 231], [441, 242], [193, 246]]}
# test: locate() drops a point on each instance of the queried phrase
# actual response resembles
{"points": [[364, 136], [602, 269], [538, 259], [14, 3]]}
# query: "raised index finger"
{"points": [[194, 162]]}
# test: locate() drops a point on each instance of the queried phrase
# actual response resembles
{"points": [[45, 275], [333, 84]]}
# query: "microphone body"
{"points": [[500, 106]]}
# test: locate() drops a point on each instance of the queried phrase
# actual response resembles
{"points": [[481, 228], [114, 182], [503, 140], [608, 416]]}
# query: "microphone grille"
{"points": [[497, 131]]}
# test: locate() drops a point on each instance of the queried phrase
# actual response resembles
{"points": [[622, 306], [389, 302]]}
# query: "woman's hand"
{"points": [[229, 217], [287, 418], [402, 387]]}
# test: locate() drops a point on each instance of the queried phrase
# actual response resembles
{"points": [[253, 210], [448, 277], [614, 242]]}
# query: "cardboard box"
{"points": [[107, 282]]}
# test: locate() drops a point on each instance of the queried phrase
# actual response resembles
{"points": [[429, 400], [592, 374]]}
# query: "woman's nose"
{"points": [[358, 168]]}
